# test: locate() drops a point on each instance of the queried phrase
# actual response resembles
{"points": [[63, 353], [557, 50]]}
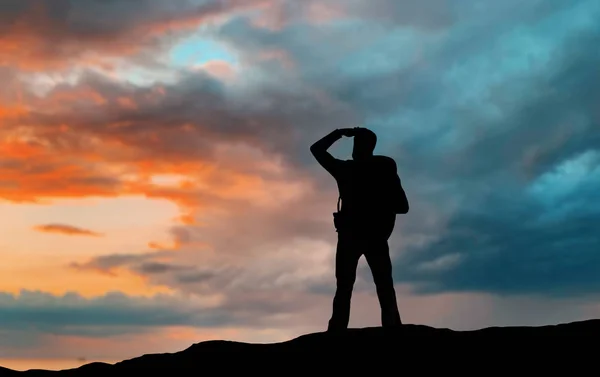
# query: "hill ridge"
{"points": [[414, 342]]}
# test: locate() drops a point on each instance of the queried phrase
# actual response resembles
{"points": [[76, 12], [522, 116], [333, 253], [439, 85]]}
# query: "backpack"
{"points": [[397, 196], [394, 194]]}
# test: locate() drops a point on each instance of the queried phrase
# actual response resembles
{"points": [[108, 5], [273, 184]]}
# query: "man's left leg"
{"points": [[346, 262], [378, 258]]}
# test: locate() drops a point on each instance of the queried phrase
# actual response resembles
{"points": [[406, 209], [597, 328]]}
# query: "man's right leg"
{"points": [[346, 262], [378, 258]]}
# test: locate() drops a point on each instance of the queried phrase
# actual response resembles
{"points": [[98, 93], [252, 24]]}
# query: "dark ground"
{"points": [[570, 349]]}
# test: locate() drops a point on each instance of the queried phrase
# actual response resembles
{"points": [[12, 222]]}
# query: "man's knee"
{"points": [[345, 274], [345, 282], [382, 276], [384, 283]]}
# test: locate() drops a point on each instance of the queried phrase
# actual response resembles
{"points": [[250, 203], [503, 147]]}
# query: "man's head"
{"points": [[364, 143]]}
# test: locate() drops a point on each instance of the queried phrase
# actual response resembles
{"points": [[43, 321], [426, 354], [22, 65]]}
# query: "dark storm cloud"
{"points": [[56, 33], [477, 119], [509, 252], [155, 126], [526, 221]]}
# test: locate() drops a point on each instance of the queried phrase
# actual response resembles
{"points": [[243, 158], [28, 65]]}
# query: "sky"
{"points": [[157, 189]]}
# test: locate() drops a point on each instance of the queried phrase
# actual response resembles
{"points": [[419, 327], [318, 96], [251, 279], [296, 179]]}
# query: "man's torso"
{"points": [[364, 188]]}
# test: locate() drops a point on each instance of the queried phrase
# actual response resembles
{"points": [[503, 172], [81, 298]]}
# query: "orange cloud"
{"points": [[73, 155], [99, 137], [38, 171], [11, 112], [32, 174], [66, 229]]}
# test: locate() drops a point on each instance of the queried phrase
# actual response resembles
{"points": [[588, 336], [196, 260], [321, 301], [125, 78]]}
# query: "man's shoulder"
{"points": [[382, 157], [342, 167], [385, 160]]}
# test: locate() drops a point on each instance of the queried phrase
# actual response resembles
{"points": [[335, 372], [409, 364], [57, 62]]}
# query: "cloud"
{"points": [[129, 327], [108, 263], [297, 266], [197, 127], [541, 242], [106, 315], [67, 230], [115, 314], [99, 33], [498, 124], [523, 190], [477, 219], [42, 318]]}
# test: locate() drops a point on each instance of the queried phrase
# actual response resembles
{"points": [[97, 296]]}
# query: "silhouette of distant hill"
{"points": [[410, 350]]}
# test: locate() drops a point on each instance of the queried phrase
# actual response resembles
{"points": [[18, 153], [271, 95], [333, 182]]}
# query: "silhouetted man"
{"points": [[371, 195]]}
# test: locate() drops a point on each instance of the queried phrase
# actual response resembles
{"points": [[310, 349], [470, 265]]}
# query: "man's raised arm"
{"points": [[319, 150]]}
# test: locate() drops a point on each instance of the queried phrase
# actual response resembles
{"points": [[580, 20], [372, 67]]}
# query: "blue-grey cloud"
{"points": [[525, 188], [71, 313], [116, 313]]}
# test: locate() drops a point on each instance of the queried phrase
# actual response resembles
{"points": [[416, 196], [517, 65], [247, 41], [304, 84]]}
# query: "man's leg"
{"points": [[378, 258], [346, 262]]}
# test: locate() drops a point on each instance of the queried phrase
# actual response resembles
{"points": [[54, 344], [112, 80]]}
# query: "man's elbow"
{"points": [[315, 150]]}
